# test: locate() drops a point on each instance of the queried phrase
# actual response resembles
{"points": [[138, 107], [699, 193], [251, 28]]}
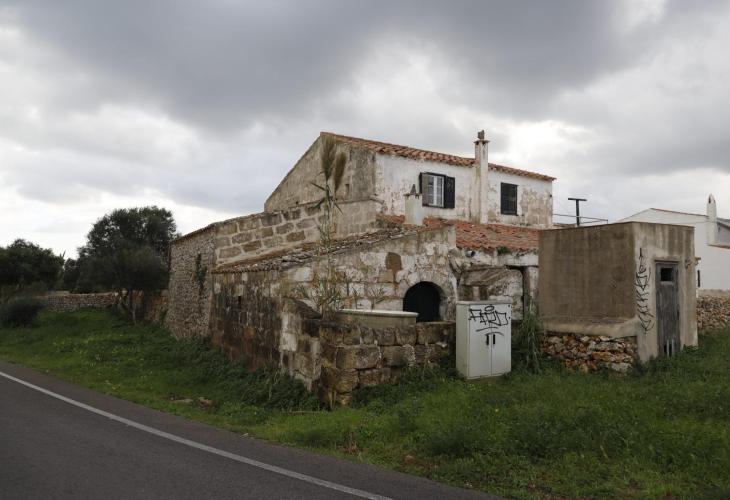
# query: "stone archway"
{"points": [[423, 298]]}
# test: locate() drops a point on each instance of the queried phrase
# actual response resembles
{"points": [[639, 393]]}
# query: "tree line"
{"points": [[126, 250]]}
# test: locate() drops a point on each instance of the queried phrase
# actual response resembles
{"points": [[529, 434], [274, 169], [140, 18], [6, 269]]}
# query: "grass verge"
{"points": [[662, 432]]}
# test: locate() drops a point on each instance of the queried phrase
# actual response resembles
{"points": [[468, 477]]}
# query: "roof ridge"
{"points": [[428, 155]]}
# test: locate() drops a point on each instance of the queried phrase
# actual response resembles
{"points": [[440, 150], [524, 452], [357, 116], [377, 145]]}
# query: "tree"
{"points": [[127, 251], [24, 264]]}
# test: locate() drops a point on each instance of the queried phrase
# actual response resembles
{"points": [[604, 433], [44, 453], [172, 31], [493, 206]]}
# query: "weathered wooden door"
{"points": [[667, 308]]}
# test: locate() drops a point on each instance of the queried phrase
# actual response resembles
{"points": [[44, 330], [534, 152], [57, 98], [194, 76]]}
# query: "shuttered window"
{"points": [[437, 190], [508, 205]]}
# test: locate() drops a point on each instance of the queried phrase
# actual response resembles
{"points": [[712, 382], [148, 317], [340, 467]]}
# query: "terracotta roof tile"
{"points": [[424, 155]]}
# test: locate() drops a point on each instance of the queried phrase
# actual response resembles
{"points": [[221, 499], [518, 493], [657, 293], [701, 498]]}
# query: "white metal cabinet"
{"points": [[483, 338]]}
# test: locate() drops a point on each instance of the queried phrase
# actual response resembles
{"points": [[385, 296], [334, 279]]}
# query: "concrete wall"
{"points": [[600, 281], [714, 263], [296, 188], [190, 285]]}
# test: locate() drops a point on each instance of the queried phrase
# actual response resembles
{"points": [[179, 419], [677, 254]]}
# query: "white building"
{"points": [[452, 187], [712, 241]]}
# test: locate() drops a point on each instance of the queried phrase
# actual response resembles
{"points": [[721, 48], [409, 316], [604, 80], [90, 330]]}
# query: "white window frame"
{"points": [[435, 195]]}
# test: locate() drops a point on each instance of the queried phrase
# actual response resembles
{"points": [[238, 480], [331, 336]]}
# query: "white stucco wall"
{"points": [[395, 175], [714, 264], [534, 200]]}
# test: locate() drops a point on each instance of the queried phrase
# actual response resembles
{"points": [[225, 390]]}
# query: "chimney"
{"points": [[711, 221], [481, 164], [414, 207]]}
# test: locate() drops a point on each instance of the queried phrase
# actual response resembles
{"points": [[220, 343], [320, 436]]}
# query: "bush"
{"points": [[20, 312]]}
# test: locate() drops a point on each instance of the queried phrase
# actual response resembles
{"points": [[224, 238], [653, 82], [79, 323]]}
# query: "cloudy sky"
{"points": [[202, 107]]}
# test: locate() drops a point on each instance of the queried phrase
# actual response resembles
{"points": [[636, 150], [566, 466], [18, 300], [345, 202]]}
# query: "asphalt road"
{"points": [[95, 446]]}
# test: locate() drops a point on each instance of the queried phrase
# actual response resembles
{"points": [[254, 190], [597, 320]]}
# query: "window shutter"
{"points": [[449, 192], [423, 182]]}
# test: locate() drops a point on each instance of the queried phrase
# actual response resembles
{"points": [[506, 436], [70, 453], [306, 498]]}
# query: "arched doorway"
{"points": [[423, 298]]}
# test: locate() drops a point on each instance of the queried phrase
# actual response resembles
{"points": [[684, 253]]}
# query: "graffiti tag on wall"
{"points": [[642, 280]]}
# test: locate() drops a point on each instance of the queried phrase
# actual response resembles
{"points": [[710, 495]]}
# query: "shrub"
{"points": [[20, 312]]}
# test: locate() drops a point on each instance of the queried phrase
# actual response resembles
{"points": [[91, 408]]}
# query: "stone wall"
{"points": [[246, 318], [66, 302], [257, 234], [192, 259], [494, 283], [713, 311], [354, 356], [587, 352]]}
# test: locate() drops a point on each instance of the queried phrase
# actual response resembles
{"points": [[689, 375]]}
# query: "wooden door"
{"points": [[667, 308]]}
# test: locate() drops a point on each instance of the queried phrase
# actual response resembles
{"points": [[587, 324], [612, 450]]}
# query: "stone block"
{"points": [[429, 333], [252, 246], [357, 357], [366, 335], [339, 380], [331, 333], [284, 228], [223, 241], [313, 210], [298, 236], [329, 354], [227, 253], [292, 214], [242, 237], [249, 223], [406, 335], [351, 334], [271, 219], [399, 355], [374, 376], [267, 232], [306, 223], [384, 336], [228, 228]]}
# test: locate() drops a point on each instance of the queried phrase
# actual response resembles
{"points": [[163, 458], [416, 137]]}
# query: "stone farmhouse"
{"points": [[417, 231]]}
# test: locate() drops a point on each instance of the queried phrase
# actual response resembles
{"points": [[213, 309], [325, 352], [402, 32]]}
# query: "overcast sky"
{"points": [[202, 107]]}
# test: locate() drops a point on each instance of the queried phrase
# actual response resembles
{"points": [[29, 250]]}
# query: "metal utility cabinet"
{"points": [[483, 338]]}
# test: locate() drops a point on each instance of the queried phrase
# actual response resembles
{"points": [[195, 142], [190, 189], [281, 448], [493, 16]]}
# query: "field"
{"points": [[663, 431]]}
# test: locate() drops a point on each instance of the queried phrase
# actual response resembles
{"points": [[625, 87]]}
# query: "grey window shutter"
{"points": [[449, 192], [423, 182]]}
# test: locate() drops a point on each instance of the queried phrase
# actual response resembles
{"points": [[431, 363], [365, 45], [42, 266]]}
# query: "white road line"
{"points": [[200, 446]]}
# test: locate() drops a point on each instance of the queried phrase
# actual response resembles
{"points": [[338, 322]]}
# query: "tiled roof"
{"points": [[482, 236], [424, 155]]}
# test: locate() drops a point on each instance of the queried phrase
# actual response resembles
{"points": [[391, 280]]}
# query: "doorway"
{"points": [[423, 298], [667, 308]]}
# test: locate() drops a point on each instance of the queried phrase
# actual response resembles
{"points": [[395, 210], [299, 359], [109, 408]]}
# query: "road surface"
{"points": [[60, 440]]}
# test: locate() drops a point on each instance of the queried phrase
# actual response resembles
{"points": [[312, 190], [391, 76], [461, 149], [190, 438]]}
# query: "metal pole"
{"points": [[577, 209]]}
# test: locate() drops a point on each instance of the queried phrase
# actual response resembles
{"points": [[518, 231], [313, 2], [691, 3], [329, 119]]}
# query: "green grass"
{"points": [[662, 432]]}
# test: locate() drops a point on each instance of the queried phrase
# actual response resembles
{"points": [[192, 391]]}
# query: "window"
{"points": [[437, 190], [666, 274], [508, 204]]}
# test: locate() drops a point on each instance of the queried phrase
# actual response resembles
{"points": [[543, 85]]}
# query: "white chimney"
{"points": [[481, 164], [711, 221], [414, 207]]}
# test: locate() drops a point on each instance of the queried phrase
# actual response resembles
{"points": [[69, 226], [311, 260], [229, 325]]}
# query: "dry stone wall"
{"points": [[713, 311], [67, 302], [354, 356], [589, 352]]}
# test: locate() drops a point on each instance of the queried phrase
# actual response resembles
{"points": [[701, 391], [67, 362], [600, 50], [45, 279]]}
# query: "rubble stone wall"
{"points": [[713, 311], [67, 302], [589, 352], [354, 356], [190, 285]]}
